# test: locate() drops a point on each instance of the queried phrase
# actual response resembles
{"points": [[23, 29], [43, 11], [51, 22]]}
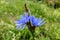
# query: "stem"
{"points": [[33, 35], [31, 28]]}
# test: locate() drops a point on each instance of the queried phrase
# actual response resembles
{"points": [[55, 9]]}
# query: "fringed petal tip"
{"points": [[18, 21], [18, 26], [41, 23], [23, 26]]}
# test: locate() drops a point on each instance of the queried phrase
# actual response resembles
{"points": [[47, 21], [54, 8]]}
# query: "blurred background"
{"points": [[10, 11]]}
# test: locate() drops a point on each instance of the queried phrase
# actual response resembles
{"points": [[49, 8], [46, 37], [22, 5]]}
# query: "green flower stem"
{"points": [[33, 35]]}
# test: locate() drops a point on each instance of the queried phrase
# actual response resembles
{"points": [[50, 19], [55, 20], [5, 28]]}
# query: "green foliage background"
{"points": [[10, 11]]}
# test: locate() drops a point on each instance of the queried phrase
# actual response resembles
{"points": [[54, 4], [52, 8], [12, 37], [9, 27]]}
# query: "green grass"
{"points": [[10, 11]]}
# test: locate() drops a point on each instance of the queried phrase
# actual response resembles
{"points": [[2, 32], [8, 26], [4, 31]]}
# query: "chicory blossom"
{"points": [[36, 21], [26, 18], [22, 22]]}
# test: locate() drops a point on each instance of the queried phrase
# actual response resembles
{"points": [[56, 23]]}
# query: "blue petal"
{"points": [[37, 22], [26, 14], [41, 23], [18, 26], [25, 18], [18, 21], [32, 19], [23, 26], [21, 16]]}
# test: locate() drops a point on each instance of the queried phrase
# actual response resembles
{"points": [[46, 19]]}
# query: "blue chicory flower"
{"points": [[22, 22], [36, 21], [24, 19]]}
